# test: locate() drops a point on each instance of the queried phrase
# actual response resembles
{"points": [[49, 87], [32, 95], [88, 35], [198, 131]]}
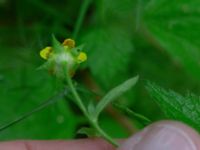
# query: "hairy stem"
{"points": [[40, 107], [93, 121], [76, 95], [104, 135]]}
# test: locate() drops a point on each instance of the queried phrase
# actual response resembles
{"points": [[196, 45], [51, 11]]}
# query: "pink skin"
{"points": [[85, 144], [164, 135]]}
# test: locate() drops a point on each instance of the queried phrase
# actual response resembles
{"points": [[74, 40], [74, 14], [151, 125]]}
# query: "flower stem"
{"points": [[104, 135], [93, 121], [76, 96], [40, 107]]}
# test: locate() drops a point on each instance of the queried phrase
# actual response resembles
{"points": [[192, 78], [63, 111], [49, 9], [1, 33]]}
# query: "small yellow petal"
{"points": [[82, 57], [69, 42], [44, 53]]}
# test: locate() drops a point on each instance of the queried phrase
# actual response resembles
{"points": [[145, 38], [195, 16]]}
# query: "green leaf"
{"points": [[176, 106], [91, 108], [109, 53], [142, 119], [90, 132], [175, 25], [115, 11], [57, 47], [115, 93]]}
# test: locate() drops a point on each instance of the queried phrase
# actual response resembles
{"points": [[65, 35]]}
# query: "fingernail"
{"points": [[160, 137]]}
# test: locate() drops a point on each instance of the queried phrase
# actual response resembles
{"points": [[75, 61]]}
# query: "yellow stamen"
{"points": [[82, 57], [44, 53], [69, 42]]}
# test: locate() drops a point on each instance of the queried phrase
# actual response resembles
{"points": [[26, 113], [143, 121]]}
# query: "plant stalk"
{"points": [[40, 107], [76, 95], [79, 102], [104, 135]]}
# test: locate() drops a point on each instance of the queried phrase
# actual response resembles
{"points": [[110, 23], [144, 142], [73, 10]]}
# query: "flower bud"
{"points": [[62, 54]]}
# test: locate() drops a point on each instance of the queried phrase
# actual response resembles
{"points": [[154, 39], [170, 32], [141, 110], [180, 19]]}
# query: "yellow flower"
{"points": [[69, 42], [82, 57], [59, 54], [44, 53]]}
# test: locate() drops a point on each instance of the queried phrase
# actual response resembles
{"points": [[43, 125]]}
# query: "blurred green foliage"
{"points": [[157, 39]]}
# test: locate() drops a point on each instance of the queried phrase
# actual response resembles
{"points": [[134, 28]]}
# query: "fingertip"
{"points": [[82, 144], [164, 135]]}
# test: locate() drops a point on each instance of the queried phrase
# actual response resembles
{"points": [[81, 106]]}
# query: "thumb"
{"points": [[164, 135]]}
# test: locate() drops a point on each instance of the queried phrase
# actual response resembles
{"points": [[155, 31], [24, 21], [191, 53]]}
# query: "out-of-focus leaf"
{"points": [[176, 27], [118, 11], [175, 106], [109, 53]]}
